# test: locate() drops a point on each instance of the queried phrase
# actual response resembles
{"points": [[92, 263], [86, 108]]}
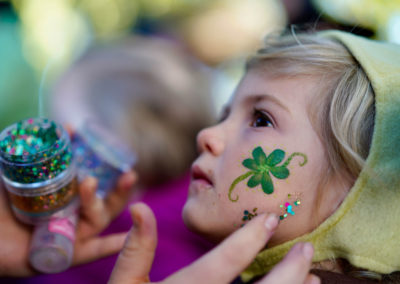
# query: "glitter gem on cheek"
{"points": [[288, 207], [247, 215]]}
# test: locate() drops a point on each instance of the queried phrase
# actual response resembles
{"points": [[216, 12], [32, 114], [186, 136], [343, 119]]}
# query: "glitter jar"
{"points": [[52, 244], [37, 202], [34, 150], [37, 170], [100, 153], [38, 173]]}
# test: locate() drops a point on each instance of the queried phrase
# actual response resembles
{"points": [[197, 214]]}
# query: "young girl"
{"points": [[311, 134]]}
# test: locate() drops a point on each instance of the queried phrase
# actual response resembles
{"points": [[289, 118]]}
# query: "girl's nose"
{"points": [[210, 140]]}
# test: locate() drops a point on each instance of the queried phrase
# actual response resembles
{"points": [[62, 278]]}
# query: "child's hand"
{"points": [[95, 215], [221, 265]]}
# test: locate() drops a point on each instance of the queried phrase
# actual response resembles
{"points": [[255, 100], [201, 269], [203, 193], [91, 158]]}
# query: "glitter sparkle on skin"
{"points": [[289, 209], [247, 215]]}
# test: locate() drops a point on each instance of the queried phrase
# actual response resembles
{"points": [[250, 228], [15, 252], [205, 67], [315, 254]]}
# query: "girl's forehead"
{"points": [[284, 91]]}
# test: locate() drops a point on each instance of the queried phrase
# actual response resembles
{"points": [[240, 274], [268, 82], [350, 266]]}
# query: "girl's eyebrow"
{"points": [[265, 97]]}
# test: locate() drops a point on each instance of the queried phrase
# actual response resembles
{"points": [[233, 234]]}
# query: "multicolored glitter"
{"points": [[261, 166], [247, 215], [50, 199], [37, 170], [34, 150], [288, 207]]}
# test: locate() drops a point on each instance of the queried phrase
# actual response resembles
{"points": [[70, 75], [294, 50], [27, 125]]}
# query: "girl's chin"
{"points": [[200, 226]]}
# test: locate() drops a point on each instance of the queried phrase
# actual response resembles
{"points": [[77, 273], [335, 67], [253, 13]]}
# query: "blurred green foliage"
{"points": [[18, 81]]}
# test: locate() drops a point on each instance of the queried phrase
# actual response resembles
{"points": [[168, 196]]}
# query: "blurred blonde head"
{"points": [[150, 93]]}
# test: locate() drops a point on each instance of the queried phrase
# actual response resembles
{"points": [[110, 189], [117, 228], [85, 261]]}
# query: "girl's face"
{"points": [[232, 179]]}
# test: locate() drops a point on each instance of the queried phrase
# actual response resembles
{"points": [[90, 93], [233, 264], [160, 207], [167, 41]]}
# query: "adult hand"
{"points": [[221, 265], [95, 215]]}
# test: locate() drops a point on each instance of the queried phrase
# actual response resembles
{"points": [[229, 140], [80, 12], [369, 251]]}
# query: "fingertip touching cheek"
{"points": [[263, 156]]}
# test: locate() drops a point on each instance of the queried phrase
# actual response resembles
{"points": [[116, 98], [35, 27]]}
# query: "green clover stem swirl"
{"points": [[235, 182], [292, 156]]}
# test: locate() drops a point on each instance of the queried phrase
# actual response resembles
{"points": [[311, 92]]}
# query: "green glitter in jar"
{"points": [[34, 150]]}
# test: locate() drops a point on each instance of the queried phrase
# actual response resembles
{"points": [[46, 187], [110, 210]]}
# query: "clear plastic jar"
{"points": [[38, 202], [34, 150], [98, 152], [52, 244], [37, 169]]}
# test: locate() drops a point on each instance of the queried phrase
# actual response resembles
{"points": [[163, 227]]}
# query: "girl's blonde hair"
{"points": [[343, 111]]}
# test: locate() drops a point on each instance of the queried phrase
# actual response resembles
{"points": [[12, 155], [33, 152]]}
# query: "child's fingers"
{"points": [[117, 198], [135, 260], [232, 256], [294, 268], [70, 130], [93, 215], [97, 213], [87, 191], [98, 247]]}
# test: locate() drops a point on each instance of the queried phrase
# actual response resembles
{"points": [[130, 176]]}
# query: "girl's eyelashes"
{"points": [[261, 119]]}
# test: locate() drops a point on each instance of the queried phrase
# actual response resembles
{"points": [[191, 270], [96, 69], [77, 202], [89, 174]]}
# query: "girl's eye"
{"points": [[261, 119]]}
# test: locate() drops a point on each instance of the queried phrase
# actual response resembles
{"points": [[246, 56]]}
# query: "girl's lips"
{"points": [[198, 175]]}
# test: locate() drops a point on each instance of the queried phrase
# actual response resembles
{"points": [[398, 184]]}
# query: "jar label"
{"points": [[63, 226]]}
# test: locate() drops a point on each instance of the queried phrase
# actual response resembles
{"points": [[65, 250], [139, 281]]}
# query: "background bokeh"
{"points": [[39, 39]]}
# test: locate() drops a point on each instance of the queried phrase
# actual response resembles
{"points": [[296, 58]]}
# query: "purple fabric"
{"points": [[177, 247]]}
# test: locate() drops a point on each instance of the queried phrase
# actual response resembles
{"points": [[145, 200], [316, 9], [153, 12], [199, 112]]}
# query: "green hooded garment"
{"points": [[365, 229]]}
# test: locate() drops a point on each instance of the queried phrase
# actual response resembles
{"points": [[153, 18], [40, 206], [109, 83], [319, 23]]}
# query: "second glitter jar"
{"points": [[37, 170], [100, 153]]}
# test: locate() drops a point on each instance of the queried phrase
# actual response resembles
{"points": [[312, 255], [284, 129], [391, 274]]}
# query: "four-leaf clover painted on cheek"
{"points": [[260, 168]]}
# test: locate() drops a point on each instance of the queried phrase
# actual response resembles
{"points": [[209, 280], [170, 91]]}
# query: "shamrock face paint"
{"points": [[261, 166]]}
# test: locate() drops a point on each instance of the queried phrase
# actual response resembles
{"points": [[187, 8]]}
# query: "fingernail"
{"points": [[308, 251], [315, 280], [271, 222], [91, 181], [137, 219], [128, 179]]}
